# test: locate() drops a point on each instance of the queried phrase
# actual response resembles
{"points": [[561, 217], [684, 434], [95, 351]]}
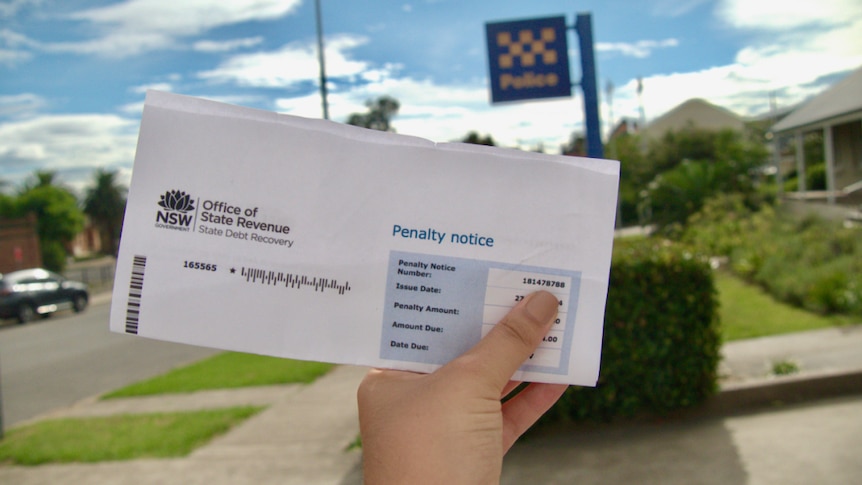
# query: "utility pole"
{"points": [[642, 120], [609, 92], [321, 60]]}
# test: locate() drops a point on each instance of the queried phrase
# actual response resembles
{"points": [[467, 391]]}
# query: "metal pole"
{"points": [[321, 61], [584, 28], [2, 433]]}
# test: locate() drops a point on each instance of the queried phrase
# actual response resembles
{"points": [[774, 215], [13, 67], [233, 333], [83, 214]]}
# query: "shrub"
{"points": [[815, 177], [810, 263], [661, 340], [719, 226]]}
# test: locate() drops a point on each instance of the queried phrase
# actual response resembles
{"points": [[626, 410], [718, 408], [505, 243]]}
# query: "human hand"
{"points": [[449, 427]]}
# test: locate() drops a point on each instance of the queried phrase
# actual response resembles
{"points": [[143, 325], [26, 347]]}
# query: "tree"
{"points": [[727, 165], [58, 217], [476, 139], [576, 146], [105, 203], [379, 115], [627, 149], [41, 178], [680, 192]]}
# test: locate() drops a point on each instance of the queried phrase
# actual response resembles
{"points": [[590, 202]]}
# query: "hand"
{"points": [[450, 426]]}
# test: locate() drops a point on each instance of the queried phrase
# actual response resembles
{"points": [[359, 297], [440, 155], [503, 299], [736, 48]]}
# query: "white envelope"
{"points": [[258, 232]]}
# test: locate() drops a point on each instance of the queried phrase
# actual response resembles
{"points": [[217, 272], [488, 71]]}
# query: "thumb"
{"points": [[515, 337]]}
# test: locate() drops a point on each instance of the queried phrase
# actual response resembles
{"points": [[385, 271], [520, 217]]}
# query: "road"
{"points": [[58, 361]]}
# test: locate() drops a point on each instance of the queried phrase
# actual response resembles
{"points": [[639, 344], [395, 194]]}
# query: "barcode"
{"points": [[289, 280], [136, 287]]}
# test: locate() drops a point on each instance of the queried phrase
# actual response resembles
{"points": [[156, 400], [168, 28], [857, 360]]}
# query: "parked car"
{"points": [[27, 293]]}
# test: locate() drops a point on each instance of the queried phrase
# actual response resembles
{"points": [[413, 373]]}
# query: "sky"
{"points": [[74, 73]]}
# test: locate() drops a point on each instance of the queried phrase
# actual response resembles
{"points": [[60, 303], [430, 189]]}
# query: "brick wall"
{"points": [[19, 244]]}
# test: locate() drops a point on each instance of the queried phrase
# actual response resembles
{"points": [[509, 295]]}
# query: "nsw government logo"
{"points": [[178, 211]]}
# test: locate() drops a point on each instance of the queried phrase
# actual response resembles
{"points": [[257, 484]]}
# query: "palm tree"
{"points": [[105, 203]]}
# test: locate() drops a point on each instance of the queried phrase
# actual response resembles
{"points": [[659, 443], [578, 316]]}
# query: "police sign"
{"points": [[528, 59]]}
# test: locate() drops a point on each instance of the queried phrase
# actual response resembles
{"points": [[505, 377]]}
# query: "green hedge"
{"points": [[661, 336]]}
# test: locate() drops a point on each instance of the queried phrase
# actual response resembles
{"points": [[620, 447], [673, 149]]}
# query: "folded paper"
{"points": [[259, 232]]}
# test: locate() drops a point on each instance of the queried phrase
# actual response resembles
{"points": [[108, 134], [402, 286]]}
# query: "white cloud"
{"points": [[136, 108], [143, 88], [639, 49], [13, 57], [13, 47], [674, 8], [293, 63], [9, 8], [445, 113], [20, 105], [14, 39], [795, 43], [790, 47], [136, 26], [780, 15], [70, 144], [186, 18], [227, 45]]}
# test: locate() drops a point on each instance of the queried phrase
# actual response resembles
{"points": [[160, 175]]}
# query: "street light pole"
{"points": [[321, 60]]}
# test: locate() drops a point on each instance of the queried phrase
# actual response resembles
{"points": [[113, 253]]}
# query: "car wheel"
{"points": [[26, 313], [79, 303]]}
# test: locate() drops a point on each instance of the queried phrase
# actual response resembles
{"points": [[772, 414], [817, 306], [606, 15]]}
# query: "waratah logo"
{"points": [[176, 205], [177, 200]]}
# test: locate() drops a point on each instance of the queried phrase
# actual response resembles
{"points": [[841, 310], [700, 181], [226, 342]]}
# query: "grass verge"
{"points": [[747, 312], [225, 371], [123, 437]]}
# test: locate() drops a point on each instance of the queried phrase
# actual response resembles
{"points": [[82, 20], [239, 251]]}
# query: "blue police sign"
{"points": [[528, 59]]}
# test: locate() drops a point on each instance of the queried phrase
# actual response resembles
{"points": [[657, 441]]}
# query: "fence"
{"points": [[96, 274]]}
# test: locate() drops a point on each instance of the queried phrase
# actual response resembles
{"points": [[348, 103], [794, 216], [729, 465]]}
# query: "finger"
{"points": [[510, 386], [520, 412], [514, 338]]}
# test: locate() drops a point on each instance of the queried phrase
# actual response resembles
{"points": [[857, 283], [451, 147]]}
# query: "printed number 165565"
{"points": [[199, 265]]}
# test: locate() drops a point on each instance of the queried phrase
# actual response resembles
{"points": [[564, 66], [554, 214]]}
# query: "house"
{"points": [[837, 113], [697, 113]]}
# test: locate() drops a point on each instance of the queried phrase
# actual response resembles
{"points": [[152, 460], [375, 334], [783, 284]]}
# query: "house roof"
{"points": [[697, 112], [844, 97]]}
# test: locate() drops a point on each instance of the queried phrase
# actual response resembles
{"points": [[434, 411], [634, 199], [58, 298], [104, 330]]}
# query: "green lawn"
{"points": [[747, 311], [128, 437], [224, 371], [122, 437]]}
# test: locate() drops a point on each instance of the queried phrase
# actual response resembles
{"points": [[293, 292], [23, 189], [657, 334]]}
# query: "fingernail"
{"points": [[542, 306]]}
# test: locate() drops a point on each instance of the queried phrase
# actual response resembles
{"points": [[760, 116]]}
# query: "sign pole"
{"points": [[584, 28]]}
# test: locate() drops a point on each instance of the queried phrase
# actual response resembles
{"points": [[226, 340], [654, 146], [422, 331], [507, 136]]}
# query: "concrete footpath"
{"points": [[761, 429]]}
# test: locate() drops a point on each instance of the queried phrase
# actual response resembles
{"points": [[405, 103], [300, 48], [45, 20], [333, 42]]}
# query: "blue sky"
{"points": [[73, 73]]}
